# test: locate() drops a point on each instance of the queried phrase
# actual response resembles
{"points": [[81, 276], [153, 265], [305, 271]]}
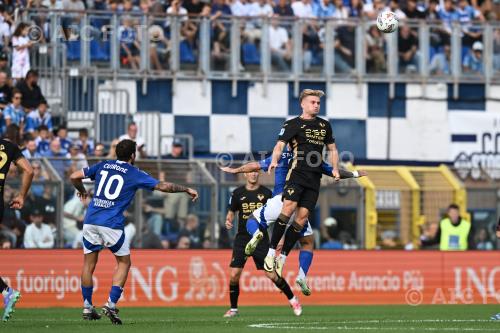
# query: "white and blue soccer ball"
{"points": [[387, 22]]}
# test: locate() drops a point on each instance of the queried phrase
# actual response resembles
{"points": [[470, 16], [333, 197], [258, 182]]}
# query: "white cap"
{"points": [[330, 221], [477, 46]]}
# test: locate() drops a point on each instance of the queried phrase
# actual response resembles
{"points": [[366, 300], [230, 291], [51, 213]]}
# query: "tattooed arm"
{"points": [[175, 188]]}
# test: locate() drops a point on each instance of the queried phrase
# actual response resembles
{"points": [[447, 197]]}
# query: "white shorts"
{"points": [[270, 212], [96, 237]]}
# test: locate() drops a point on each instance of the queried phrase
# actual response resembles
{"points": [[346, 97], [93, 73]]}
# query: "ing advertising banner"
{"points": [[51, 278]]}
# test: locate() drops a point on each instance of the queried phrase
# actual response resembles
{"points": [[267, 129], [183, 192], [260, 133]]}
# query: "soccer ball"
{"points": [[387, 22]]}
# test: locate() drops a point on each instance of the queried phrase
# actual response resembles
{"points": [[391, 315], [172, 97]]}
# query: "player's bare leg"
{"points": [[119, 279], [292, 235], [285, 288], [278, 231], [305, 260], [89, 263], [234, 291]]}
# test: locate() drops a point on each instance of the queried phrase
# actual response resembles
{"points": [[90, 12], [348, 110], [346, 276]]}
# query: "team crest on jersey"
{"points": [[260, 197], [290, 191], [322, 124]]}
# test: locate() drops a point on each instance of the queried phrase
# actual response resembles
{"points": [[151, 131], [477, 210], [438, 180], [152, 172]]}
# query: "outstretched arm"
{"points": [[278, 149], [249, 167], [175, 188], [76, 179]]}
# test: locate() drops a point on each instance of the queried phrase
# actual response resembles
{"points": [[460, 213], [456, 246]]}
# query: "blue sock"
{"points": [[252, 226], [87, 296], [305, 261], [114, 295]]}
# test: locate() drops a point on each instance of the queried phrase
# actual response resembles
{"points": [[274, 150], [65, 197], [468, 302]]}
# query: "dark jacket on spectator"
{"points": [[31, 96]]}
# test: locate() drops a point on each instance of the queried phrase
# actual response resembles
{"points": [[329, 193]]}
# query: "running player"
{"points": [[10, 152], [266, 215], [115, 185], [245, 199], [307, 135]]}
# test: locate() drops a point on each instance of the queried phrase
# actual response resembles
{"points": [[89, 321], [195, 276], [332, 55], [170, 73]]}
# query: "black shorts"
{"points": [[303, 188], [239, 258]]}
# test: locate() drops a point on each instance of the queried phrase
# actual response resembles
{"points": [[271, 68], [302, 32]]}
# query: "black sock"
{"points": [[292, 235], [278, 230], [3, 285], [284, 287], [234, 293]]}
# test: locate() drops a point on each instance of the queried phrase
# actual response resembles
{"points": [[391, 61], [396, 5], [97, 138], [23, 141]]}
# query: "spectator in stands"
{"points": [[86, 144], [407, 49], [432, 11], [39, 177], [329, 234], [219, 8], [371, 10], [58, 158], [412, 11], [14, 112], [38, 117], [145, 6], [453, 233], [184, 243], [177, 151], [132, 135], [283, 8], [129, 8], [394, 7], [356, 8], [263, 9], [483, 241], [448, 15], [238, 8], [100, 150], [6, 22], [11, 225], [176, 8], [341, 11], [30, 150], [193, 231], [5, 91], [158, 48], [78, 160], [112, 149], [323, 9], [281, 47], [194, 7], [4, 64], [74, 214], [344, 49], [32, 94], [375, 46], [441, 62], [43, 140], [303, 9], [38, 235], [58, 4], [130, 49], [150, 240], [62, 135], [20, 55], [466, 14], [473, 61]]}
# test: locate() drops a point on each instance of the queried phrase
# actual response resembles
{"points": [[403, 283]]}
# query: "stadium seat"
{"points": [[186, 53], [250, 54], [73, 50]]}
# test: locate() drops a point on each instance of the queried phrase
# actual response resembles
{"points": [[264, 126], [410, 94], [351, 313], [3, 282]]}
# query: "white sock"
{"points": [[282, 258], [234, 310], [271, 252], [111, 304], [6, 292], [301, 275], [86, 304], [291, 300]]}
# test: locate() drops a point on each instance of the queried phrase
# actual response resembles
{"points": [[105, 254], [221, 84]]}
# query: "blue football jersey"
{"points": [[281, 170], [115, 185]]}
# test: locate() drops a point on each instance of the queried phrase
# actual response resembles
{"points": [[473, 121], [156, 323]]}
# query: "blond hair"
{"points": [[311, 92]]}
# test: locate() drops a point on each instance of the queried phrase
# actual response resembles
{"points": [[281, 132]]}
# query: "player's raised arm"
{"points": [[248, 167], [344, 174], [25, 166], [278, 149], [175, 188]]}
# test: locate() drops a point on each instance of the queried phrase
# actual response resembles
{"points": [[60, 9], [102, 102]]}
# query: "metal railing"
{"points": [[239, 48]]}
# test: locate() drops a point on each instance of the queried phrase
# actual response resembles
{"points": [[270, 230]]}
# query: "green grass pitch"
{"points": [[434, 318]]}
